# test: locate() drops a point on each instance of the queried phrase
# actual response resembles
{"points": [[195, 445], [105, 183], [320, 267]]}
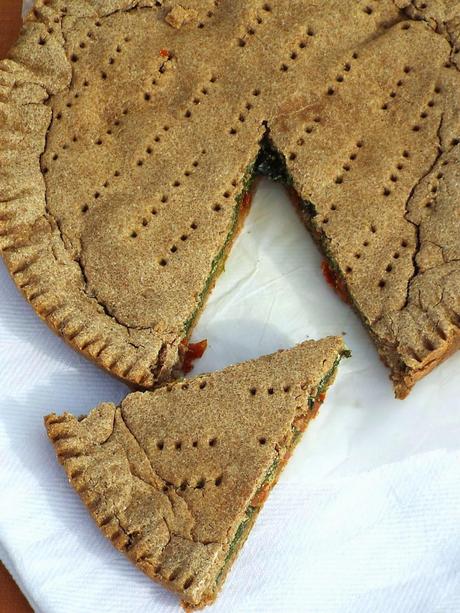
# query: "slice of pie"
{"points": [[175, 477], [129, 136]]}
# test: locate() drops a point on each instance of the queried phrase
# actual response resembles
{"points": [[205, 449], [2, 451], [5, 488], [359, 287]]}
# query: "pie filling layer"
{"points": [[270, 478], [240, 210], [272, 164]]}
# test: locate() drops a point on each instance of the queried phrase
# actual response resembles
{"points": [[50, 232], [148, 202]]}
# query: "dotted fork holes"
{"points": [[339, 179], [309, 129], [174, 249], [187, 583]]}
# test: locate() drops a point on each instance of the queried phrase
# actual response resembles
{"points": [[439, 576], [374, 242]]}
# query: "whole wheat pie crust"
{"points": [[175, 477], [131, 130]]}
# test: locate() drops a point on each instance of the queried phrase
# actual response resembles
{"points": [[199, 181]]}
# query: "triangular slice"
{"points": [[175, 477]]}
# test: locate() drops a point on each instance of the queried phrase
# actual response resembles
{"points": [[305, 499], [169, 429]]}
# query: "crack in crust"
{"points": [[406, 207]]}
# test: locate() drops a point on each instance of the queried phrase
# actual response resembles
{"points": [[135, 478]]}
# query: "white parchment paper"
{"points": [[366, 517]]}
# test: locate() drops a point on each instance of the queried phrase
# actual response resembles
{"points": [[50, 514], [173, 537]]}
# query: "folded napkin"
{"points": [[365, 518]]}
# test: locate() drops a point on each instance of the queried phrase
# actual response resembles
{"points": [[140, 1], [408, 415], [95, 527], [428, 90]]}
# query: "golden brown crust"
{"points": [[116, 262], [169, 474]]}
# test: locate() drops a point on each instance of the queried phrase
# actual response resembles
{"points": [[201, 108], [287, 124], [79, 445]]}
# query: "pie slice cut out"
{"points": [[175, 477], [131, 132]]}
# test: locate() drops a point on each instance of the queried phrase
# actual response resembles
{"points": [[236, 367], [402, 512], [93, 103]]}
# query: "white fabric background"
{"points": [[366, 517]]}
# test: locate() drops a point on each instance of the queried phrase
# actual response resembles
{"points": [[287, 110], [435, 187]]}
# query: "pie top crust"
{"points": [[128, 130]]}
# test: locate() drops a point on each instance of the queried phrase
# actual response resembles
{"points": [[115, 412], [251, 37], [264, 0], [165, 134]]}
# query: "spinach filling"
{"points": [[238, 534], [248, 179], [324, 383], [270, 163], [250, 511], [273, 469]]}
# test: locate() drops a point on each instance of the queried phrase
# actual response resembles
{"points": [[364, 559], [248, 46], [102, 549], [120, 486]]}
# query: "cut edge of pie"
{"points": [[272, 164]]}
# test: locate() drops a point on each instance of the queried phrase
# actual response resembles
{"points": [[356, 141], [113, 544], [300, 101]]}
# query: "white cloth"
{"points": [[365, 518]]}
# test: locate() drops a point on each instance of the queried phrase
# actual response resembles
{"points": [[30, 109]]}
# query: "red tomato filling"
{"points": [[193, 352], [246, 201], [318, 402], [261, 496], [336, 282]]}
